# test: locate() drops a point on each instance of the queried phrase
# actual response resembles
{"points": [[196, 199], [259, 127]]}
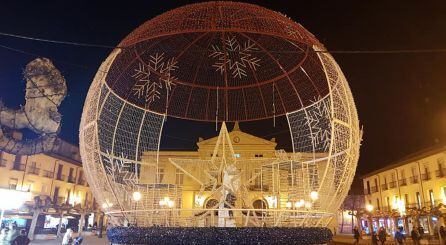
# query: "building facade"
{"points": [[55, 181], [263, 182], [408, 192]]}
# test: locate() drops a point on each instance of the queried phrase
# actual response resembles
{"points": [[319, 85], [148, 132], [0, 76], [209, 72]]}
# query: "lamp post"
{"points": [[136, 198]]}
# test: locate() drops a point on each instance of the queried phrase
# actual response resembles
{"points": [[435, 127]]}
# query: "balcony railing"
{"points": [[384, 187], [373, 189], [426, 176], [413, 179], [48, 174], [392, 184], [71, 179], [81, 181], [402, 182], [258, 187], [61, 177], [35, 171], [440, 173], [19, 167]]}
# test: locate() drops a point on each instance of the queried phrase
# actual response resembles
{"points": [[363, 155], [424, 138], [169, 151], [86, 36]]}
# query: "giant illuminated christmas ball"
{"points": [[224, 62]]}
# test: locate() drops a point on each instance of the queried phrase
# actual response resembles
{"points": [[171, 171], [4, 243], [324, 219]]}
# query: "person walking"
{"points": [[356, 234], [68, 237], [399, 236], [415, 235], [21, 239], [421, 231], [382, 234], [374, 238]]}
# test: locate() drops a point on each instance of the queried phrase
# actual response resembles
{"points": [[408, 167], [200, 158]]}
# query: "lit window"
{"points": [[179, 177], [237, 155]]}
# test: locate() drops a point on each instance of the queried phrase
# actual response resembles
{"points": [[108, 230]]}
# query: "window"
{"points": [[179, 177], [160, 175], [56, 194], [59, 172], [258, 155], [418, 200], [403, 174], [258, 179], [368, 187], [80, 179], [3, 162], [388, 202], [377, 204], [70, 175], [376, 183], [13, 183], [237, 155], [431, 197], [406, 199]]}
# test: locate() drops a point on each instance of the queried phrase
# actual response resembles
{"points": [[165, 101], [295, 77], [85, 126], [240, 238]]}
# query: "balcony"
{"points": [[440, 173], [392, 184], [71, 179], [81, 181], [19, 167], [258, 187], [61, 177], [48, 174], [426, 176], [384, 187], [402, 182], [413, 179], [33, 170]]}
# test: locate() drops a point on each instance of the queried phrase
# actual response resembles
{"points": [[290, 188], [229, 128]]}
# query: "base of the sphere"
{"points": [[218, 235]]}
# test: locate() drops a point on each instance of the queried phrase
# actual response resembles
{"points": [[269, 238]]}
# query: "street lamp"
{"points": [[314, 195], [136, 197], [369, 207]]}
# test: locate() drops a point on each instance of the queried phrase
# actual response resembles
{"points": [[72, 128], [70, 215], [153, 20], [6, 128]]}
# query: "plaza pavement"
{"points": [[90, 239], [342, 239]]}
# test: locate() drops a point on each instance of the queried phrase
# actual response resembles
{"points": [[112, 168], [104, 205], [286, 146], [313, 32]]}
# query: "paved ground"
{"points": [[348, 239], [89, 240]]}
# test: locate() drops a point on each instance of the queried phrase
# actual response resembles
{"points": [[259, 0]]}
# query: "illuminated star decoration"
{"points": [[235, 57], [222, 163]]}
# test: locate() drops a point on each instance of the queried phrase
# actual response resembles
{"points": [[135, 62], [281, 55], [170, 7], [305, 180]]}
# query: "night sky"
{"points": [[401, 98]]}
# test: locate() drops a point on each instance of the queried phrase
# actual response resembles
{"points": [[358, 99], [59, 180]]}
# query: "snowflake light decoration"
{"points": [[318, 118], [153, 77], [235, 57]]}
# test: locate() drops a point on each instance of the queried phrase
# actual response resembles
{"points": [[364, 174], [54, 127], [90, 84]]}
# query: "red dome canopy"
{"points": [[219, 60]]}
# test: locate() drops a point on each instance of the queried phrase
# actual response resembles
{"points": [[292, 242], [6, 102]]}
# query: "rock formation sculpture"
{"points": [[45, 90]]}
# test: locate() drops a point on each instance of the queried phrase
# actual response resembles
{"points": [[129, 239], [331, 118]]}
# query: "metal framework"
{"points": [[217, 62]]}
